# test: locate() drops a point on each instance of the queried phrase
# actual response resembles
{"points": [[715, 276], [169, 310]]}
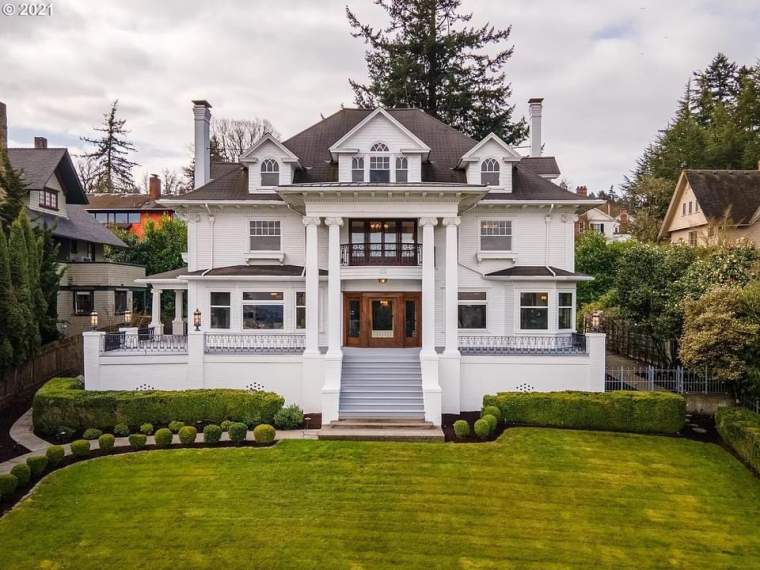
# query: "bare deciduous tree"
{"points": [[235, 136]]}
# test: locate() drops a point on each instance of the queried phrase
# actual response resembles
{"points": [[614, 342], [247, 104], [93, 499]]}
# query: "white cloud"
{"points": [[610, 73]]}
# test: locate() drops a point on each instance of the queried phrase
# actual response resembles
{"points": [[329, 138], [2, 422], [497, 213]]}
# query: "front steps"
{"points": [[381, 429]]}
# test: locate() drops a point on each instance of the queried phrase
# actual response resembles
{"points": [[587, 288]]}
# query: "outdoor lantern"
{"points": [[382, 280], [128, 316], [197, 320], [596, 321], [94, 320]]}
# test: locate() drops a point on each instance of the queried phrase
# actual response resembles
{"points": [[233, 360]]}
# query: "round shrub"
{"points": [[55, 455], [461, 429], [22, 473], [264, 433], [238, 431], [80, 448], [482, 428], [8, 485], [225, 425], [163, 437], [175, 426], [290, 417], [492, 422], [37, 464], [121, 430], [494, 411], [147, 429], [138, 440], [92, 434], [106, 442], [187, 435], [212, 433]]}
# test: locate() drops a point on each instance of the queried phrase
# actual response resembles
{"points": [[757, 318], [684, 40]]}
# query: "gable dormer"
{"points": [[379, 150], [270, 164], [490, 163]]}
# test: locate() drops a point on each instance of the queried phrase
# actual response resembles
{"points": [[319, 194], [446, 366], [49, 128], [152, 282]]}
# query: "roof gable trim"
{"points": [[248, 156], [472, 154], [337, 148]]}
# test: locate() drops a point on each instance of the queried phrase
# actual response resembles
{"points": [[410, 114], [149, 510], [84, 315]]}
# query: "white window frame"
{"points": [[297, 306], [519, 306], [269, 161], [211, 307], [571, 307], [470, 302], [379, 146], [401, 165], [485, 254], [489, 161], [260, 302], [277, 254], [495, 221], [357, 165]]}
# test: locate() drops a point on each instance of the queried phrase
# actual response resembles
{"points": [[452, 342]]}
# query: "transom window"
{"points": [[489, 172], [220, 310], [263, 310], [496, 235], [379, 169], [84, 302], [265, 235], [49, 199], [471, 310], [402, 169], [379, 147], [534, 311], [270, 173], [357, 169], [300, 310], [565, 310]]}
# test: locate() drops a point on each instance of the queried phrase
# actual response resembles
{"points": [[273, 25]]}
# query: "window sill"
{"points": [[481, 255], [256, 255]]}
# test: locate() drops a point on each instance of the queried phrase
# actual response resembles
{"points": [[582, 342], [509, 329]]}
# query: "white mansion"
{"points": [[379, 264]]}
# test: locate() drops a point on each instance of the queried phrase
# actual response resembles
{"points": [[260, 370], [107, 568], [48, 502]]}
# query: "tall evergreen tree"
{"points": [[718, 84], [50, 273], [18, 255], [112, 170], [35, 251], [429, 57], [8, 320], [13, 189]]}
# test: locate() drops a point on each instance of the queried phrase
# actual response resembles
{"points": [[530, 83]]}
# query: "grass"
{"points": [[538, 498]]}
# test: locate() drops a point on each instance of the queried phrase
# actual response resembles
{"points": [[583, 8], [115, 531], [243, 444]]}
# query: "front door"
{"points": [[381, 319]]}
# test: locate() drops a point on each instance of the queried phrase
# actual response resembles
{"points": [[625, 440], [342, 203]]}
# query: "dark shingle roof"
{"points": [[230, 186], [79, 225], [107, 201], [721, 193], [169, 274], [39, 165], [541, 165], [534, 271], [255, 270], [527, 185]]}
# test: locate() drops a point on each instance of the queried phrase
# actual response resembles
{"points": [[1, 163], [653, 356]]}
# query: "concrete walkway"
{"points": [[22, 432]]}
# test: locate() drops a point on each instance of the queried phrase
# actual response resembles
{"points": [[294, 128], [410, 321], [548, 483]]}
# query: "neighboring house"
{"points": [[129, 211], [603, 220], [57, 200], [377, 264], [711, 203]]}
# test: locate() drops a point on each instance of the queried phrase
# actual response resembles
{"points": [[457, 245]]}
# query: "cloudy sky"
{"points": [[610, 72]]}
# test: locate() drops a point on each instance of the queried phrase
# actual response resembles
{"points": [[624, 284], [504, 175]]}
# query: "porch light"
{"points": [[596, 321], [94, 320], [197, 319], [128, 317], [382, 280]]}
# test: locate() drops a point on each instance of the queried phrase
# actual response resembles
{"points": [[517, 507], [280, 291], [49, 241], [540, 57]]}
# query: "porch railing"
{"points": [[405, 254], [519, 345], [143, 343], [254, 343]]}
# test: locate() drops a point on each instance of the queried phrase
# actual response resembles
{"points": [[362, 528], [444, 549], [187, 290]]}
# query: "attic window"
{"points": [[379, 147], [489, 172], [357, 169], [270, 173]]}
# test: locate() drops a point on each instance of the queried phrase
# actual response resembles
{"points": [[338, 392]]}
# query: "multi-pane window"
{"points": [[300, 310], [471, 310], [220, 310], [692, 238], [379, 169], [379, 147], [84, 302], [49, 199], [534, 311], [565, 310], [496, 235], [270, 172], [357, 169], [112, 218], [263, 310], [489, 172], [402, 169], [597, 227], [265, 235], [120, 301]]}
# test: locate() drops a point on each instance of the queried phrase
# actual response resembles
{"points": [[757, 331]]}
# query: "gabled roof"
{"points": [[268, 138], [338, 145], [230, 186], [529, 186], [79, 225], [108, 201], [472, 154], [544, 166], [40, 164]]}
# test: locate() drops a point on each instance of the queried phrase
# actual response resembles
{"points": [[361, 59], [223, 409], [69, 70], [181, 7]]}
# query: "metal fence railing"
{"points": [[650, 378]]}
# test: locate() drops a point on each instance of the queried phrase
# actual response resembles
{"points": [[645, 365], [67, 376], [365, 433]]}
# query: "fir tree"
{"points": [[35, 250], [112, 170], [430, 58], [13, 191], [50, 279], [718, 83], [8, 320], [29, 336]]}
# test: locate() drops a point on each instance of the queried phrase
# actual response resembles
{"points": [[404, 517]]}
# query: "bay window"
{"points": [[263, 310], [534, 311], [471, 309], [220, 310]]}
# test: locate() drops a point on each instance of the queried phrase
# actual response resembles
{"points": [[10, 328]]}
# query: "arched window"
{"points": [[357, 169], [270, 173], [489, 172], [379, 147], [402, 169]]}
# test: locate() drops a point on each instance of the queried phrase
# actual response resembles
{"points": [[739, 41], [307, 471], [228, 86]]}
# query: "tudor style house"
{"points": [[378, 264]]}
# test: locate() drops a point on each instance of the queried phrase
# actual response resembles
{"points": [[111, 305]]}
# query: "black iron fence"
{"points": [[381, 254], [627, 339]]}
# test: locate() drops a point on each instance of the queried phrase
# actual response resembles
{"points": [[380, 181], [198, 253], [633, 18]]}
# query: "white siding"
{"points": [[268, 150]]}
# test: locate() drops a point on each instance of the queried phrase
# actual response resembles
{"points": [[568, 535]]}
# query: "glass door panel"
{"points": [[354, 318], [382, 318], [410, 319]]}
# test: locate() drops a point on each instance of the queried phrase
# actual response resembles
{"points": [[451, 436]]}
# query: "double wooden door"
{"points": [[381, 319]]}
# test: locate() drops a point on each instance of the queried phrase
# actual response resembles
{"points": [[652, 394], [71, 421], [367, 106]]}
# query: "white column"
{"points": [[155, 312], [596, 349], [333, 287], [428, 285], [312, 285], [452, 286], [93, 342], [178, 325]]}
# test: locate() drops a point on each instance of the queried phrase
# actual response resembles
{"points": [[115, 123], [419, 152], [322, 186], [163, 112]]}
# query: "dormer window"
{"points": [[402, 169], [357, 169], [270, 173], [489, 172], [379, 147], [379, 166]]}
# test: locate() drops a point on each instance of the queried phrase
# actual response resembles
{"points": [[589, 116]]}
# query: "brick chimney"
{"points": [[154, 187], [40, 142], [535, 105], [581, 191], [3, 126], [623, 217]]}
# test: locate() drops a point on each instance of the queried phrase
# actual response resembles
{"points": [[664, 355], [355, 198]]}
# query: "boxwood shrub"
{"points": [[8, 485], [740, 428], [482, 428], [461, 429], [63, 401], [147, 429], [138, 440], [290, 417], [121, 430], [163, 437], [212, 433], [187, 435], [494, 411], [80, 448], [175, 426], [225, 425], [238, 431], [37, 464], [106, 442], [22, 473], [640, 412], [264, 433], [492, 422], [55, 455]]}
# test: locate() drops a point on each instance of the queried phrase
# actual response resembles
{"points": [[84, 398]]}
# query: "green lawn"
{"points": [[538, 498]]}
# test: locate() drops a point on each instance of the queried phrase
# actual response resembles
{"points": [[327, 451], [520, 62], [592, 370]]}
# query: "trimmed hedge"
{"points": [[80, 448], [264, 433], [138, 440], [55, 455], [740, 428], [187, 435], [492, 422], [482, 428], [639, 412], [92, 434], [22, 473], [106, 442], [37, 464], [163, 437], [212, 433], [238, 431], [461, 429], [63, 401], [8, 485]]}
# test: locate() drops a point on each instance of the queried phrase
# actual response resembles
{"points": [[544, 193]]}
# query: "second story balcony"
{"points": [[400, 254]]}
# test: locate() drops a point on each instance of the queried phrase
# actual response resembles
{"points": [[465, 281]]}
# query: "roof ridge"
{"points": [[315, 125]]}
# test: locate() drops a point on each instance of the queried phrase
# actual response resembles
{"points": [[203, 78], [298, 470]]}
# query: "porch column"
{"points": [[178, 325], [428, 285], [333, 288], [155, 311], [452, 286], [312, 285]]}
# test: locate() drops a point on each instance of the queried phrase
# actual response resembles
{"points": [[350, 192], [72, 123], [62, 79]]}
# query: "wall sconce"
{"points": [[197, 320], [382, 280], [94, 320], [128, 316]]}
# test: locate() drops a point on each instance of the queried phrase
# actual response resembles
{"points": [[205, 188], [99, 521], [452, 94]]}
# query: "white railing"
{"points": [[519, 345], [275, 343], [143, 343]]}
